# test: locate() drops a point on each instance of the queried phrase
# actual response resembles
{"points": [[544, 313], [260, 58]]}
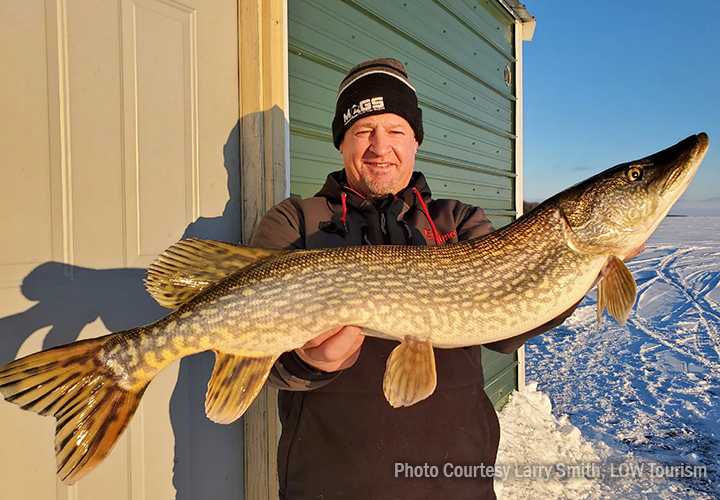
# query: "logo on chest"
{"points": [[443, 238]]}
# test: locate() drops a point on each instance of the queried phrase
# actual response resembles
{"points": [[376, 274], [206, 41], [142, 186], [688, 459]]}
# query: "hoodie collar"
{"points": [[336, 184]]}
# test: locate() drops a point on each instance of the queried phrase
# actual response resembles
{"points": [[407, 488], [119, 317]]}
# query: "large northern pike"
{"points": [[249, 305]]}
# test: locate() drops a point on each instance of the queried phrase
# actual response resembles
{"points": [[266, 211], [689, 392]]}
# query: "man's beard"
{"points": [[381, 185]]}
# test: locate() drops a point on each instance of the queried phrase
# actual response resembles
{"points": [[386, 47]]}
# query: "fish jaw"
{"points": [[676, 180], [616, 211]]}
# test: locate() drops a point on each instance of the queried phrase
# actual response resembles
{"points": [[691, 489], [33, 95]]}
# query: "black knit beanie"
{"points": [[375, 87]]}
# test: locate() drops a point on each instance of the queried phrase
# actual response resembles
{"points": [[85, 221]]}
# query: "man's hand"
{"points": [[333, 350], [635, 252]]}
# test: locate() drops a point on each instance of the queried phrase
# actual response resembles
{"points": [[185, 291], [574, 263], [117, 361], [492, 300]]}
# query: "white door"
{"points": [[118, 136]]}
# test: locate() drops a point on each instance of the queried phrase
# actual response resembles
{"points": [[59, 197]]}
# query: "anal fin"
{"points": [[235, 382], [410, 374], [616, 291]]}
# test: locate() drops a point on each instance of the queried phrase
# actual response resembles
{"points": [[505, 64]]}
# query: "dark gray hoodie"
{"points": [[341, 438]]}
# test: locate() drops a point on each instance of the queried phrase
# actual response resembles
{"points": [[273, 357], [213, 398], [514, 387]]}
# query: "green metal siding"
{"points": [[456, 53]]}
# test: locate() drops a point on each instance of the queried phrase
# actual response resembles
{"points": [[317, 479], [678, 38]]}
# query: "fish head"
{"points": [[617, 210]]}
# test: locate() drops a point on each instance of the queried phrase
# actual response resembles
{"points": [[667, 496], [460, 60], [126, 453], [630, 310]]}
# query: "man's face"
{"points": [[379, 154]]}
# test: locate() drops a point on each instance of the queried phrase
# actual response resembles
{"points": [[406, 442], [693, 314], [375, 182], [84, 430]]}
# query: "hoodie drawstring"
{"points": [[343, 219], [348, 188], [438, 241]]}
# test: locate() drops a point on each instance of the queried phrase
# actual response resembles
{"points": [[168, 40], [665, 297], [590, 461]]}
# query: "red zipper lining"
{"points": [[438, 242]]}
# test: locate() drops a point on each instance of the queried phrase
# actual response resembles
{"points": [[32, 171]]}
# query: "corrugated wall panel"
{"points": [[456, 53]]}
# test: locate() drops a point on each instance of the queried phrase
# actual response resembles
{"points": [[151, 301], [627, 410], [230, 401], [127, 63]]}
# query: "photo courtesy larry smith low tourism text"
{"points": [[559, 471]]}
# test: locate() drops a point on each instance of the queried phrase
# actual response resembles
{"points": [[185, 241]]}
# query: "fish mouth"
{"points": [[681, 162]]}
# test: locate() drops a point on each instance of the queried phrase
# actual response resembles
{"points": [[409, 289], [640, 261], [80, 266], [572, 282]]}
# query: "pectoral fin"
{"points": [[616, 291], [235, 382], [410, 374]]}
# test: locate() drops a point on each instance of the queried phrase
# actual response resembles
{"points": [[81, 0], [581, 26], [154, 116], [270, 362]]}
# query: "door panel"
{"points": [[119, 137]]}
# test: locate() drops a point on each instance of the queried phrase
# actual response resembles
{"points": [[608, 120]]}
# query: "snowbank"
{"points": [[544, 457]]}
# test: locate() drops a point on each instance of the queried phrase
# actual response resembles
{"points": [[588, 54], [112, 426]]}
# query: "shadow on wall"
{"points": [[207, 461]]}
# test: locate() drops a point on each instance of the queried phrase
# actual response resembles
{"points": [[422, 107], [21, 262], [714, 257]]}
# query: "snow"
{"points": [[627, 411]]}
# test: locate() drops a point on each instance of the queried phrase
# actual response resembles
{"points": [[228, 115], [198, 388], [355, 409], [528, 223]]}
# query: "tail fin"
{"points": [[73, 384]]}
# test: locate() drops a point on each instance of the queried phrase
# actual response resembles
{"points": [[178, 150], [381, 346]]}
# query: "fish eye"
{"points": [[634, 173]]}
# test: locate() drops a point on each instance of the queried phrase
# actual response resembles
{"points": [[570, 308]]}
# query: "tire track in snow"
{"points": [[672, 276], [667, 272]]}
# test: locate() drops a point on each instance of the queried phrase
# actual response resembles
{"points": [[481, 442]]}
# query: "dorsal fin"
{"points": [[190, 266]]}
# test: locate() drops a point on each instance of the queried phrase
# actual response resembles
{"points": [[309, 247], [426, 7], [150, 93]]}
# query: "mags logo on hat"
{"points": [[373, 104]]}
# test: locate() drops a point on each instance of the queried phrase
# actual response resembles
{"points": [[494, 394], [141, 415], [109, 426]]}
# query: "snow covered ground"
{"points": [[635, 409]]}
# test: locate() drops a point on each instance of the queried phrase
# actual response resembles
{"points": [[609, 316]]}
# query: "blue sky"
{"points": [[612, 81]]}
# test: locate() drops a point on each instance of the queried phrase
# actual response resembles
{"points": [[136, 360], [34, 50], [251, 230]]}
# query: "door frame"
{"points": [[265, 174]]}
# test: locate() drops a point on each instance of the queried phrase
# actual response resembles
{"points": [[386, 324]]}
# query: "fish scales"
{"points": [[277, 305], [483, 309], [249, 305]]}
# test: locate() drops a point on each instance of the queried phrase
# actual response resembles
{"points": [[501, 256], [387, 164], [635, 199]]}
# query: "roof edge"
{"points": [[520, 13]]}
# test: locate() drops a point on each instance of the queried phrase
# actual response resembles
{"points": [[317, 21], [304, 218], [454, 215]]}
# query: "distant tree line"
{"points": [[529, 205]]}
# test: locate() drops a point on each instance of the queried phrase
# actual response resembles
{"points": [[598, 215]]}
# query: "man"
{"points": [[340, 438]]}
